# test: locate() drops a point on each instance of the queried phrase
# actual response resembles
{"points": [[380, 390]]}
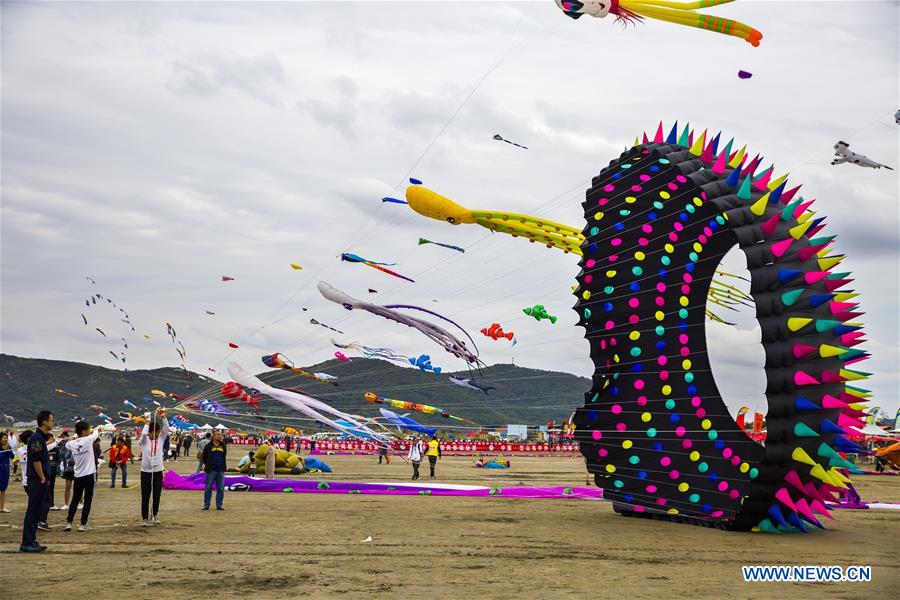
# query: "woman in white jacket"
{"points": [[415, 457], [153, 439]]}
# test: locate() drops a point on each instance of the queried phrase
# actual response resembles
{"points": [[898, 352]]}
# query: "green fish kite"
{"points": [[539, 313]]}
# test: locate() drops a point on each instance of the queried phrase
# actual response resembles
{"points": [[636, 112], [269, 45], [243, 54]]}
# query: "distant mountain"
{"points": [[522, 395]]}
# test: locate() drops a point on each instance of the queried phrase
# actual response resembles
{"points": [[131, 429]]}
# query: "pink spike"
{"points": [[856, 360], [809, 251], [837, 307], [848, 316], [859, 414], [834, 284], [812, 492], [820, 508], [707, 155], [762, 184], [646, 139], [794, 479], [801, 350], [691, 138], [829, 401], [779, 248], [825, 492], [658, 138], [803, 509], [751, 168], [831, 377], [719, 166], [802, 378], [768, 228], [814, 276], [785, 498], [844, 422], [801, 208], [787, 196], [850, 399], [812, 231], [850, 343]]}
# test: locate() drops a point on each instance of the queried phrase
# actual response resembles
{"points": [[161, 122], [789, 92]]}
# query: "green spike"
{"points": [[685, 139], [803, 430], [841, 463], [823, 325], [744, 191], [788, 211], [767, 526], [843, 275], [827, 451], [789, 298], [821, 240]]}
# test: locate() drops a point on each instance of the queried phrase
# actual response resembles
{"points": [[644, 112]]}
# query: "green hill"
{"points": [[522, 395]]}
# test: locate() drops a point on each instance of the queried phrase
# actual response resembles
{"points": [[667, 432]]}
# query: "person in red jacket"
{"points": [[119, 455]]}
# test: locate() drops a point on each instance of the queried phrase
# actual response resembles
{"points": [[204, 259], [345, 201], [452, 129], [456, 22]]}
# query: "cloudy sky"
{"points": [[157, 147]]}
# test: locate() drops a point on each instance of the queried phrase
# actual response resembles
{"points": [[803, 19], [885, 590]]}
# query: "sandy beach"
{"points": [[269, 545]]}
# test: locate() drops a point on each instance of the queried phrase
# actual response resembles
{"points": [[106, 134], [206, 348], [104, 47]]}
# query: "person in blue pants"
{"points": [[214, 464]]}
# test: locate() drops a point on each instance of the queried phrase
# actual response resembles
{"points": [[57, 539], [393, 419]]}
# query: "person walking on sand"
{"points": [[153, 439], [118, 460], [35, 472], [214, 461], [433, 453], [270, 460], [82, 451], [415, 457], [383, 453], [6, 454]]}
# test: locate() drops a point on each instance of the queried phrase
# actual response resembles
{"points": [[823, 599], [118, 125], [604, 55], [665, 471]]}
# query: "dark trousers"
{"points": [[150, 481], [48, 497], [84, 485], [123, 467], [432, 461], [415, 465], [37, 495], [385, 457]]}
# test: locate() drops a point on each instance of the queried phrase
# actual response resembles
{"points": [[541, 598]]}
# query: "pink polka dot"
{"points": [[687, 278], [685, 289], [664, 375], [602, 201], [702, 239], [662, 360], [638, 509], [646, 228], [638, 384], [687, 444], [651, 489], [612, 341], [672, 186], [588, 278], [590, 263], [633, 319], [643, 242], [673, 237], [707, 231], [621, 427], [661, 287], [735, 460], [733, 494], [609, 188], [716, 514], [616, 242], [602, 452], [613, 257], [723, 485], [695, 401], [597, 434], [661, 501], [680, 431], [660, 301], [609, 325], [636, 188], [673, 474], [681, 179], [703, 195], [617, 408], [685, 351], [603, 344], [665, 461], [701, 413], [634, 302], [644, 177], [677, 226], [683, 339], [727, 452], [642, 401]]}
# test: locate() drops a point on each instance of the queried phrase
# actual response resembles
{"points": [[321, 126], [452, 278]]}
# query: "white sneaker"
{"points": [[4, 510], [145, 523], [64, 507], [80, 506], [55, 507], [68, 526], [155, 520], [84, 528]]}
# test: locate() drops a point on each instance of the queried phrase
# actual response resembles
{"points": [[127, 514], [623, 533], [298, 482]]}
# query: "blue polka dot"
{"points": [[651, 216], [682, 327], [713, 477], [619, 226], [720, 444], [706, 508], [642, 474], [614, 390], [674, 418], [637, 367], [616, 175], [653, 168], [692, 389], [635, 286], [660, 345], [592, 248], [607, 306], [658, 446], [628, 498], [683, 217], [592, 415], [689, 267]]}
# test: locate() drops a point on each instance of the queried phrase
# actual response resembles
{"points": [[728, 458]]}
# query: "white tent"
{"points": [[207, 427], [221, 427]]}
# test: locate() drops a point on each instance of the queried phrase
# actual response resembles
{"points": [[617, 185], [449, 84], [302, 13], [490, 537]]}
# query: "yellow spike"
{"points": [[575, 288], [826, 351], [844, 296], [858, 405], [836, 481], [851, 375], [827, 263], [819, 473], [806, 216], [800, 455], [759, 207], [697, 148], [798, 231], [823, 252], [774, 184], [834, 472], [738, 157], [797, 323]]}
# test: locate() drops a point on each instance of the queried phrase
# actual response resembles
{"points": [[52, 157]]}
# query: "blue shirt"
{"points": [[37, 451], [216, 457]]}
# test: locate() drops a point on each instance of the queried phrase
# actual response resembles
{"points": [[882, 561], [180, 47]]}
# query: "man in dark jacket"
{"points": [[214, 463], [37, 472]]}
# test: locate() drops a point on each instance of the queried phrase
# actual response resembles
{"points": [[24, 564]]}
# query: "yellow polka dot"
{"points": [[630, 199], [659, 315], [665, 195], [698, 201], [705, 423], [698, 247], [610, 274], [683, 301], [586, 294], [610, 468], [645, 417], [672, 511], [669, 248], [744, 467], [683, 487], [627, 444], [615, 358], [598, 216], [695, 456], [639, 255], [666, 389], [634, 336], [725, 216]]}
